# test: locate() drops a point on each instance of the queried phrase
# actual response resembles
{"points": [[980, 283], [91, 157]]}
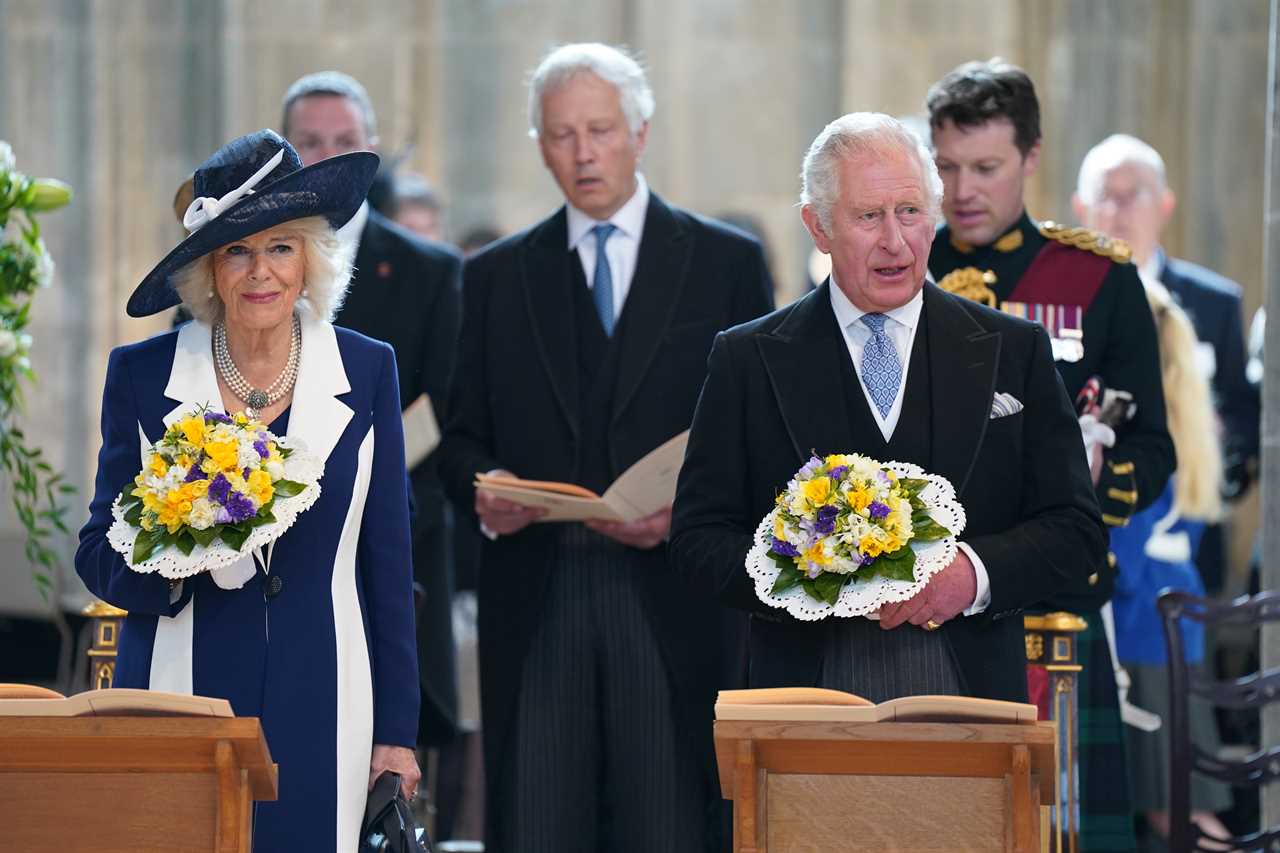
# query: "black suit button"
{"points": [[274, 585]]}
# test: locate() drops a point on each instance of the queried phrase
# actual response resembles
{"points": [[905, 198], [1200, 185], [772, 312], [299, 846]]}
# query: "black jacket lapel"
{"points": [[661, 268], [802, 357], [547, 280], [963, 359]]}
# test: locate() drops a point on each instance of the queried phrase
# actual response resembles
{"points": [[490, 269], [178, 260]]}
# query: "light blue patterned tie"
{"points": [[881, 370], [602, 283]]}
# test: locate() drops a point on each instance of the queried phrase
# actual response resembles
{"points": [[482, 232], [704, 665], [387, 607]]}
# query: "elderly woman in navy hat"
{"points": [[314, 634]]}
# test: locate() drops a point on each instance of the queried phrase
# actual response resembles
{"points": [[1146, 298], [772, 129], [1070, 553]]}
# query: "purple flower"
{"points": [[882, 476], [826, 523], [216, 418], [785, 548], [837, 472], [814, 571], [810, 468], [239, 507], [219, 488], [193, 473], [221, 516], [878, 510], [261, 447], [867, 560]]}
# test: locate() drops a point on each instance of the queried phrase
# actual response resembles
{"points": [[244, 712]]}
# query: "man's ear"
{"points": [[1168, 204], [1080, 208], [813, 224], [1031, 160]]}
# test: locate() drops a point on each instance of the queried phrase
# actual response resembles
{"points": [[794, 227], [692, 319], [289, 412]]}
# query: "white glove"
{"points": [[235, 575]]}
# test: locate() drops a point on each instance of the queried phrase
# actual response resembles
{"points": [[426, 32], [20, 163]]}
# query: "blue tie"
{"points": [[881, 370], [602, 283]]}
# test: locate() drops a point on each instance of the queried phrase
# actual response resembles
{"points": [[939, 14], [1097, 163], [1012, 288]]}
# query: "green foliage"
{"points": [[39, 492]]}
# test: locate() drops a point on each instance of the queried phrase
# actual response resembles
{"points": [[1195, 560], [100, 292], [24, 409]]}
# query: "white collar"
{"points": [[847, 314], [629, 219], [316, 415]]}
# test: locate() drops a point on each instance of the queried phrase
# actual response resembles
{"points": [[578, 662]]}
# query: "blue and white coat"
{"points": [[328, 662]]}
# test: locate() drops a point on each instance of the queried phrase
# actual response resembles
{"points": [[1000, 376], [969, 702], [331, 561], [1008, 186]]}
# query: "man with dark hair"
{"points": [[405, 290], [985, 122]]}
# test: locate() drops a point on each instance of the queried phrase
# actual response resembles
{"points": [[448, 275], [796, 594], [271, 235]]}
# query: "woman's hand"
{"points": [[397, 759]]}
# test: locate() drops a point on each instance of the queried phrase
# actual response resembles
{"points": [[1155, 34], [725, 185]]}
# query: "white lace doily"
{"points": [[300, 467], [864, 598]]}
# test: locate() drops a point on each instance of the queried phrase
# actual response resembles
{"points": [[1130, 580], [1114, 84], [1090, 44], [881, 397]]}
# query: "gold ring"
{"points": [[932, 626]]}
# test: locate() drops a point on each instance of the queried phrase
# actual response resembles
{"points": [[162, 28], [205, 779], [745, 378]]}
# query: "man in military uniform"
{"points": [[985, 121]]}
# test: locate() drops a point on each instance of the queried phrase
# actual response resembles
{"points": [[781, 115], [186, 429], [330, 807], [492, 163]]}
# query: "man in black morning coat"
{"points": [[405, 291], [972, 395], [583, 347]]}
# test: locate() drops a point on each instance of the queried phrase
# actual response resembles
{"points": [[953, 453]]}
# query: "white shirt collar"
{"points": [[847, 314], [629, 219]]}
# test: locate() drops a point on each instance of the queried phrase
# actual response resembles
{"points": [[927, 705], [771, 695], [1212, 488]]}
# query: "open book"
{"points": [[118, 702], [812, 704], [643, 489]]}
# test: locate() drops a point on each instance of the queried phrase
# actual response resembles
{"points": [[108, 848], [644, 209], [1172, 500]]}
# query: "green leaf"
{"points": [[133, 514], [788, 577], [828, 585], [898, 566], [204, 537], [287, 488], [913, 485], [186, 543], [144, 546], [264, 516], [234, 535], [924, 528]]}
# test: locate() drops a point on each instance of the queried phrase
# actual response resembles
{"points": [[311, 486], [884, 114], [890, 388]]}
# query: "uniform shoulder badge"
{"points": [[1088, 239], [971, 283]]}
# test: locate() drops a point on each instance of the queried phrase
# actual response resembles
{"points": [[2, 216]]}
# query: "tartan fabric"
{"points": [[1106, 813]]}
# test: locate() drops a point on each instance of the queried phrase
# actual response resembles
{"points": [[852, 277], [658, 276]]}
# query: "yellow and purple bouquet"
{"points": [[212, 485], [847, 519]]}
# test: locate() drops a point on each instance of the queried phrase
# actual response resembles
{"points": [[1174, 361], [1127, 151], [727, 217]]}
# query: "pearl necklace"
{"points": [[256, 399]]}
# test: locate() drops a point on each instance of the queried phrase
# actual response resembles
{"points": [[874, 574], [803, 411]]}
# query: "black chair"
{"points": [[1249, 692]]}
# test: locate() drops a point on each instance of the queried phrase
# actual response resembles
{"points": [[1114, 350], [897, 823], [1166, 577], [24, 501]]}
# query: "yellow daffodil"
{"points": [[818, 491], [193, 429], [260, 486], [815, 554], [871, 545], [225, 455], [158, 466]]}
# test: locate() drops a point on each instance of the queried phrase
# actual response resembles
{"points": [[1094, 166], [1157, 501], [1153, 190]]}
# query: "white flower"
{"points": [[44, 265], [7, 161], [24, 342], [247, 456], [201, 516], [8, 343], [275, 470]]}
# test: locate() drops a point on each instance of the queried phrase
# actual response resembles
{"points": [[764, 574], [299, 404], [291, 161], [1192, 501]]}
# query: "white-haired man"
{"points": [[405, 291], [1122, 190], [583, 346], [881, 362]]}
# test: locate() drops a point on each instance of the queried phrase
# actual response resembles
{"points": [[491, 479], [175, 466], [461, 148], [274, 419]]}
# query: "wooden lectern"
{"points": [[813, 784], [137, 783]]}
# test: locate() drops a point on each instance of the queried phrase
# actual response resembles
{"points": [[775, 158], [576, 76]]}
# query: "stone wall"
{"points": [[122, 98]]}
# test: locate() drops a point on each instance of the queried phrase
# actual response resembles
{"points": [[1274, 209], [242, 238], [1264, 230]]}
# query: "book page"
{"points": [[817, 705], [643, 489], [421, 431], [649, 484], [118, 701]]}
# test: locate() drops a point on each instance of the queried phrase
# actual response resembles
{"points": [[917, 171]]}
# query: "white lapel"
{"points": [[317, 417], [192, 381]]}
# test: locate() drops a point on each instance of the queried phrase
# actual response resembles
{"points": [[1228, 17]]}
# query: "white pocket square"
{"points": [[1003, 405]]}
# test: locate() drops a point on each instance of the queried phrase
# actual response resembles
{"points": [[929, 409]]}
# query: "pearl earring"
{"points": [[209, 295], [304, 291]]}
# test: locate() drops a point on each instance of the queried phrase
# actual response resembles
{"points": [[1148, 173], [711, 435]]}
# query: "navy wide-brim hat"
{"points": [[248, 185]]}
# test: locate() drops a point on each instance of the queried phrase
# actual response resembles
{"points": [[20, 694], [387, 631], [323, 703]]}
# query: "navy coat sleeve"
{"points": [[102, 569], [383, 554]]}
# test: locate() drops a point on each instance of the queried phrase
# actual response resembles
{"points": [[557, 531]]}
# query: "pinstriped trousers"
{"points": [[861, 657], [596, 762]]}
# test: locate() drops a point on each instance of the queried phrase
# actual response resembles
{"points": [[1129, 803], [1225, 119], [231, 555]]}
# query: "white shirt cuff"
{"points": [[983, 596], [488, 532]]}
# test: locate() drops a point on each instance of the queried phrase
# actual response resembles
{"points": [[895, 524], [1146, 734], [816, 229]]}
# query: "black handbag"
{"points": [[388, 825]]}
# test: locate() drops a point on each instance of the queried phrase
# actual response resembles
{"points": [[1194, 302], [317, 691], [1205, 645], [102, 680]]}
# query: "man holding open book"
{"points": [[880, 363], [583, 349]]}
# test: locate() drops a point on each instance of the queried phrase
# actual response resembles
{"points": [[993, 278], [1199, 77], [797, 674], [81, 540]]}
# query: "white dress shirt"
{"points": [[622, 248], [900, 327]]}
